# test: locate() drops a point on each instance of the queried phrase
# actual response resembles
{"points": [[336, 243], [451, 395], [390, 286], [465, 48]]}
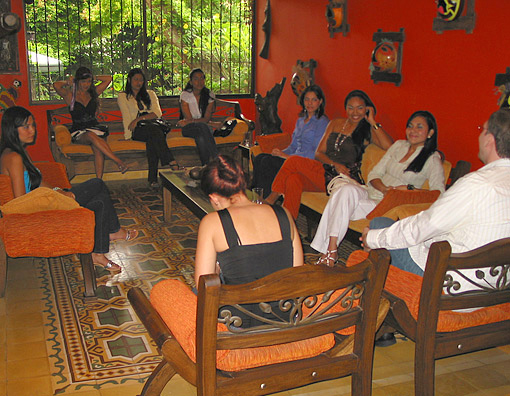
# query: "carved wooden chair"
{"points": [[49, 233], [327, 332], [429, 317]]}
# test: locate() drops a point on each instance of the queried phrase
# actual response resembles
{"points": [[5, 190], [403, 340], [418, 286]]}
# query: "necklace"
{"points": [[340, 139]]}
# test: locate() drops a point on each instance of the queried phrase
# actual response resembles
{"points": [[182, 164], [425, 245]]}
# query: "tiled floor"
{"points": [[25, 364]]}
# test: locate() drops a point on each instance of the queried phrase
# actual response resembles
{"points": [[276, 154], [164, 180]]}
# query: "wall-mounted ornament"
{"points": [[386, 63], [502, 84], [266, 28], [336, 14], [454, 15], [304, 76]]}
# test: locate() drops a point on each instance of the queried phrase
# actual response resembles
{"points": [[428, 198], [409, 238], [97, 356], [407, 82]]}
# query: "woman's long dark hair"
{"points": [[83, 73], [430, 146], [143, 95], [13, 118], [223, 176], [320, 95], [362, 131], [204, 95]]}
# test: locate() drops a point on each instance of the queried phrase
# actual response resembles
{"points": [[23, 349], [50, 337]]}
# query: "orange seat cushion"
{"points": [[177, 305], [399, 197], [42, 234], [407, 286]]}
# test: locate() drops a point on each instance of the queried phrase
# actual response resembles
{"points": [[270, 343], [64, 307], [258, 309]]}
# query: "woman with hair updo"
{"points": [[81, 95], [406, 165], [263, 240], [197, 108], [19, 131], [341, 148], [307, 134]]}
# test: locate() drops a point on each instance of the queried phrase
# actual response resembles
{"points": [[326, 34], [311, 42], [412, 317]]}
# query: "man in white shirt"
{"points": [[473, 212]]}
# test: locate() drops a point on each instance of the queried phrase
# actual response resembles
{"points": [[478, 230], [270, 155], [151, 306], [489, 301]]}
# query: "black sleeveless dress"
{"points": [[245, 263]]}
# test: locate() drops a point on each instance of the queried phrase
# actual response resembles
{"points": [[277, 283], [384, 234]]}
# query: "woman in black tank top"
{"points": [[243, 241]]}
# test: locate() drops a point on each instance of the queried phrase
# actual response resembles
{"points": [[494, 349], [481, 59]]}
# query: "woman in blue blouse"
{"points": [[306, 137]]}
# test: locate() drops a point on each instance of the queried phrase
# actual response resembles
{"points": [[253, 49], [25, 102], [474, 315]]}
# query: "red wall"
{"points": [[450, 74]]}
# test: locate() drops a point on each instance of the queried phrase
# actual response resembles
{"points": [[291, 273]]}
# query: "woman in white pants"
{"points": [[406, 165]]}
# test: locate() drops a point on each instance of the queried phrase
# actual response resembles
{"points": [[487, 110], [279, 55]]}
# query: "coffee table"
{"points": [[180, 185], [187, 191]]}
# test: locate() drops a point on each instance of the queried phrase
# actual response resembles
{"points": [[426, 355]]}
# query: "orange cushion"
{"points": [[50, 233], [407, 286], [177, 305], [399, 197]]}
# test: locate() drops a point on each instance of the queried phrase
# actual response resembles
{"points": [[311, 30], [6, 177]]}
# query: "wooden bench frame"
{"points": [[110, 114]]}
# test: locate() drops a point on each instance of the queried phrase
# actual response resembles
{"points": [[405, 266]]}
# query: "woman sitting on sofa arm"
{"points": [[406, 165], [307, 134], [19, 131]]}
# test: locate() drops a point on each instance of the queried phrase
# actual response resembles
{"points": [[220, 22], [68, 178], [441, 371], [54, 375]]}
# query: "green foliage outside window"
{"points": [[166, 38]]}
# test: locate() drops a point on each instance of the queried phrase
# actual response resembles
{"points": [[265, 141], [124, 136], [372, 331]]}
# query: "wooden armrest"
{"points": [[152, 321]]}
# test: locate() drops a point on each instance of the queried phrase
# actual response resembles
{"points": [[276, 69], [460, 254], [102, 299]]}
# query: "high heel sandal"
{"points": [[327, 259], [123, 168], [111, 267]]}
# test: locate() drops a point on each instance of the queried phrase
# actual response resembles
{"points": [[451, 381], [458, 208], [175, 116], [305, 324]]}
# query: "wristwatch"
{"points": [[410, 187], [376, 126]]}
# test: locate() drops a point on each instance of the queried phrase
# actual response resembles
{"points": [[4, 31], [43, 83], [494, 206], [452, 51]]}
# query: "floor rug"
{"points": [[101, 343]]}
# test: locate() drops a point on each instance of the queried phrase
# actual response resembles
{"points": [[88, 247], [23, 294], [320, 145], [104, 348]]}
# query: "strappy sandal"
{"points": [[328, 259], [110, 266], [131, 234], [175, 166], [123, 168]]}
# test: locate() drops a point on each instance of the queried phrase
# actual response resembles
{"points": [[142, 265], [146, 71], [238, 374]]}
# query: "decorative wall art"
{"points": [[10, 24], [266, 28], [503, 87], [267, 110], [304, 76], [455, 15], [386, 63], [336, 14]]}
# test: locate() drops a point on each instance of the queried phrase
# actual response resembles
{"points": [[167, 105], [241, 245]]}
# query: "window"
{"points": [[166, 38]]}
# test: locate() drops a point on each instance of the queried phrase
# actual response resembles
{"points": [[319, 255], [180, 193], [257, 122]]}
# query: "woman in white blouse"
{"points": [[137, 103], [197, 108], [406, 165]]}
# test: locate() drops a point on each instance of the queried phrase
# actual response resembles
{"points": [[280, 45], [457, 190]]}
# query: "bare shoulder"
{"points": [[11, 163], [209, 221], [336, 124]]}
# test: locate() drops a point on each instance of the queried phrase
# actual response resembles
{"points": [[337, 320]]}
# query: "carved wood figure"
{"points": [[267, 109], [266, 28]]}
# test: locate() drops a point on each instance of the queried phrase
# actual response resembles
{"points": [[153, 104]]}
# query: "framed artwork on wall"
{"points": [[454, 15], [304, 76], [386, 61], [336, 14]]}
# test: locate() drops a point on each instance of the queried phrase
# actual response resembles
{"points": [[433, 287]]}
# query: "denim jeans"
{"points": [[204, 140], [400, 258]]}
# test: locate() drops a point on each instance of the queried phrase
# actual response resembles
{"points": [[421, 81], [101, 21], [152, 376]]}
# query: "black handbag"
{"points": [[354, 172], [226, 129], [162, 124]]}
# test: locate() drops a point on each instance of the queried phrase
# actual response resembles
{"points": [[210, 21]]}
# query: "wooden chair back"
{"points": [[319, 301], [440, 294]]}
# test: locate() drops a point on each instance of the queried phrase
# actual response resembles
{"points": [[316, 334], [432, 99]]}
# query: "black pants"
{"points": [[265, 169], [156, 148], [204, 140], [94, 195]]}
